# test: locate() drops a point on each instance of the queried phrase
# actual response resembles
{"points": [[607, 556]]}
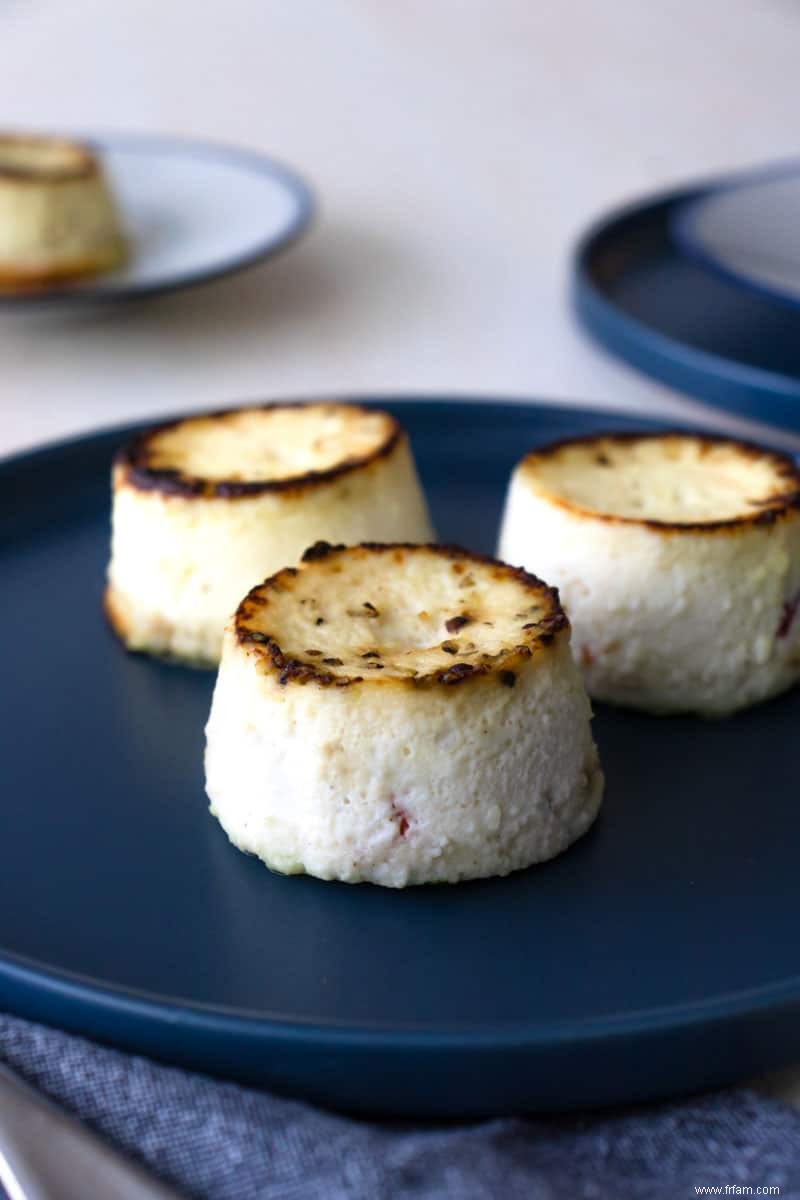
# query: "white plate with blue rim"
{"points": [[192, 211], [746, 229]]}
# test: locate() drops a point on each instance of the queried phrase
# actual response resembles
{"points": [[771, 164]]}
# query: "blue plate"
{"points": [[746, 228], [659, 954], [688, 326], [192, 211]]}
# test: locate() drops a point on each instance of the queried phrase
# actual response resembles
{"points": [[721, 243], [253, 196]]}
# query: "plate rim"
{"points": [[680, 223], [727, 383], [19, 973], [75, 988], [181, 146]]}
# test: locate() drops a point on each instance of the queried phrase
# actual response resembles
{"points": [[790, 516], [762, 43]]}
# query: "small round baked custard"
{"points": [[678, 561], [400, 714], [58, 220], [206, 507]]}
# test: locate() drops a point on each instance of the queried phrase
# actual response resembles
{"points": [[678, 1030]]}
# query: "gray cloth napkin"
{"points": [[223, 1142]]}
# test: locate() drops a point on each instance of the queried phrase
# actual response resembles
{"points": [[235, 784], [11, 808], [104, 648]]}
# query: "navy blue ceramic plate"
{"points": [[746, 228], [672, 317], [192, 211], [659, 954]]}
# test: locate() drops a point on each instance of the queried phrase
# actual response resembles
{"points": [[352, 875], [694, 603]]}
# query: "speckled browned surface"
{"points": [[134, 468], [291, 666], [771, 509]]}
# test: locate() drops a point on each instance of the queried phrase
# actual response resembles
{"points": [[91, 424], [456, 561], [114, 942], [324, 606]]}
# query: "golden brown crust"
{"points": [[79, 161], [771, 509], [287, 667], [14, 279], [134, 469], [115, 615]]}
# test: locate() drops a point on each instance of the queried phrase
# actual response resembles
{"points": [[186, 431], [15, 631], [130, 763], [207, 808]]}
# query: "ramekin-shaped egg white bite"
{"points": [[400, 714], [58, 219], [206, 507], [677, 557]]}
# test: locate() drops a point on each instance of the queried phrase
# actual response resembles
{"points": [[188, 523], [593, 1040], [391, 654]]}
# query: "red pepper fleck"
{"points": [[787, 615], [401, 817]]}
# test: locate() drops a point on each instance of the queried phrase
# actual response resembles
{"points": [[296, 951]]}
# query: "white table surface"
{"points": [[457, 147]]}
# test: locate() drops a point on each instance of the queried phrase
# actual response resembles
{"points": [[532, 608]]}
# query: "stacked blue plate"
{"points": [[701, 288]]}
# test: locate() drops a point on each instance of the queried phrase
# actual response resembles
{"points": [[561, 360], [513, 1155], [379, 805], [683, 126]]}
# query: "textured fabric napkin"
{"points": [[223, 1142]]}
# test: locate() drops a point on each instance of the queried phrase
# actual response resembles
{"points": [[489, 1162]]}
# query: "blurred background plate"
{"points": [[193, 211], [657, 955], [748, 230], [662, 311]]}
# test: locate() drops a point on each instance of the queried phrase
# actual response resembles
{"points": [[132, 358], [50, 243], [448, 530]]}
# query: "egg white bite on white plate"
{"points": [[58, 218], [677, 557]]}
